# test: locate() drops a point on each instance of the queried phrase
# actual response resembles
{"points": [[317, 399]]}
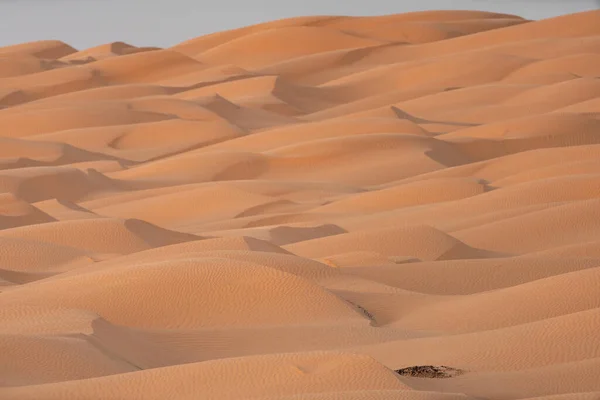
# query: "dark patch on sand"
{"points": [[430, 371]]}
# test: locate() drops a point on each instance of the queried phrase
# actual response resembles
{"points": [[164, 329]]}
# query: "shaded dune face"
{"points": [[394, 207]]}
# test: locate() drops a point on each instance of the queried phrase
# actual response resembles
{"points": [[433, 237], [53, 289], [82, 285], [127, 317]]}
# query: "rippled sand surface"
{"points": [[301, 208]]}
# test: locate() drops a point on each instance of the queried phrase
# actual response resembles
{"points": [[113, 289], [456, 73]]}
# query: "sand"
{"points": [[302, 208]]}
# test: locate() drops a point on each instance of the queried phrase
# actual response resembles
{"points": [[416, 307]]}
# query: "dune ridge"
{"points": [[304, 209]]}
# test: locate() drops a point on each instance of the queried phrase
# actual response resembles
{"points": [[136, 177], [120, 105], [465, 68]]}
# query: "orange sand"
{"points": [[296, 209]]}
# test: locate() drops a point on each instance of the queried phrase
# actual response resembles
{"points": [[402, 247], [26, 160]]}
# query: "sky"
{"points": [[87, 23]]}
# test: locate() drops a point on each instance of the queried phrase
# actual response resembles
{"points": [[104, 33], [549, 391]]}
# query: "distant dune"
{"points": [[366, 208]]}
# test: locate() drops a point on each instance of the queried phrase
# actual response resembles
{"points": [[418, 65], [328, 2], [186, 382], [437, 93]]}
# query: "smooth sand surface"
{"points": [[301, 208]]}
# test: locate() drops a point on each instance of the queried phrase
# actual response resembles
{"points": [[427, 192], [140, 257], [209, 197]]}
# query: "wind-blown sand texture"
{"points": [[397, 207]]}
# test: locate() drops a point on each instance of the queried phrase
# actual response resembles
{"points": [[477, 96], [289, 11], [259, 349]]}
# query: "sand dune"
{"points": [[104, 51], [280, 44], [287, 375], [305, 208], [100, 235], [16, 212], [43, 49]]}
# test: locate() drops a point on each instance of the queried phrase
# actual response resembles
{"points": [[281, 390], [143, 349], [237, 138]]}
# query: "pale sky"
{"points": [[86, 23]]}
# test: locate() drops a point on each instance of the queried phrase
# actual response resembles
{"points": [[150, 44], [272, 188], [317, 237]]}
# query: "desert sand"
{"points": [[395, 207]]}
